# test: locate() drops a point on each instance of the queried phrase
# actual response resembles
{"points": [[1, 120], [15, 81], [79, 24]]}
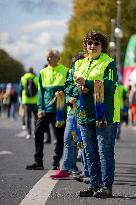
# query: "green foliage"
{"points": [[10, 69], [96, 15]]}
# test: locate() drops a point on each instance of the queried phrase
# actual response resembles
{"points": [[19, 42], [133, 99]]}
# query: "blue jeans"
{"points": [[70, 148], [99, 147], [84, 161]]}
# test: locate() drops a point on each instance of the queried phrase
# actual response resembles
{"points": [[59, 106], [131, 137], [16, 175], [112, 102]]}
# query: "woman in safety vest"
{"points": [[98, 111]]}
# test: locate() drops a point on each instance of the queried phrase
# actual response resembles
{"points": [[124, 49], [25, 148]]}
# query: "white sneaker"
{"points": [[23, 127], [28, 136]]}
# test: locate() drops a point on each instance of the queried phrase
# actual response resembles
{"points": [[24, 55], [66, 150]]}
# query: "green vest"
{"points": [[52, 79], [121, 95], [25, 98], [95, 71], [5, 99], [54, 76]]}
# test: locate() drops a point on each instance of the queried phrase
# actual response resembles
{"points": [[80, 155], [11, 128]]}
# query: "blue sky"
{"points": [[28, 28]]}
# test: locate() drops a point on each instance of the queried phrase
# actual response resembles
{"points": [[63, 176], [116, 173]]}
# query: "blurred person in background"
{"points": [[14, 103], [1, 99], [129, 94], [29, 94], [133, 104], [9, 99], [124, 105], [5, 103]]}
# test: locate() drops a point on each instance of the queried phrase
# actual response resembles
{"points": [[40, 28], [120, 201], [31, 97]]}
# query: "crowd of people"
{"points": [[82, 105]]}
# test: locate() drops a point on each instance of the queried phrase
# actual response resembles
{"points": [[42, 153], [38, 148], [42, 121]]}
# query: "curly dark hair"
{"points": [[96, 36]]}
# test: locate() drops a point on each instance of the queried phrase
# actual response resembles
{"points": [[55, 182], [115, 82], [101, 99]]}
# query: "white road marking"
{"points": [[5, 152], [21, 134], [39, 194]]}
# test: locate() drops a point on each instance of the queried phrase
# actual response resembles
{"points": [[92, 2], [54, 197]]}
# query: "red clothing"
{"points": [[133, 110]]}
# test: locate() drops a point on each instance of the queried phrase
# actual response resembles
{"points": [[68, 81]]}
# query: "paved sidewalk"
{"points": [[125, 178]]}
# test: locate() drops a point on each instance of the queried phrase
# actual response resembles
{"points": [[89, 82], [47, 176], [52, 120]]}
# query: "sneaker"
{"points": [[35, 166], [23, 127], [46, 141], [87, 193], [78, 178], [81, 178], [61, 174], [28, 136], [86, 180], [54, 142], [76, 172], [104, 192]]}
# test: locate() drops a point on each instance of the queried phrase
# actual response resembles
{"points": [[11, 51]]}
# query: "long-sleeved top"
{"points": [[102, 68], [51, 79]]}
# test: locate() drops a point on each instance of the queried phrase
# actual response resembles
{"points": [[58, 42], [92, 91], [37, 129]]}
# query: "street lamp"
{"points": [[112, 44], [118, 35]]}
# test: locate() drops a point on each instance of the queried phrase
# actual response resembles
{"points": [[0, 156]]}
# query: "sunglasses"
{"points": [[96, 43]]}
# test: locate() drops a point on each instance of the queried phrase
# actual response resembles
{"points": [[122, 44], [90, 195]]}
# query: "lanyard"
{"points": [[76, 133], [60, 112], [82, 112]]}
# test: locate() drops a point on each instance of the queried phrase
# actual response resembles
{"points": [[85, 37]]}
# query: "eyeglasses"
{"points": [[96, 43]]}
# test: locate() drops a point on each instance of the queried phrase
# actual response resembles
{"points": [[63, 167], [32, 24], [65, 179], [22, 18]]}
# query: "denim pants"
{"points": [[85, 171], [99, 147], [70, 148]]}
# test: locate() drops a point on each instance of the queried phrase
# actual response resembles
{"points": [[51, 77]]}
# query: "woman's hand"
{"points": [[72, 100], [59, 93], [84, 90], [80, 80]]}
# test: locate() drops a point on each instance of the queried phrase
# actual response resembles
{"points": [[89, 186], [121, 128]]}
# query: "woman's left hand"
{"points": [[80, 80], [84, 90]]}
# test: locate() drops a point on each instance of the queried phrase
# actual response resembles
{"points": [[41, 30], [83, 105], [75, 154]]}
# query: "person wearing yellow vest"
{"points": [[29, 102], [124, 105], [98, 111], [51, 82]]}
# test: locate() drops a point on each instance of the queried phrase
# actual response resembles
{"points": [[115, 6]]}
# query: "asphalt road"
{"points": [[15, 153], [16, 182]]}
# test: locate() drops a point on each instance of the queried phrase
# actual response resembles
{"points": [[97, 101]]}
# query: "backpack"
{"points": [[31, 89]]}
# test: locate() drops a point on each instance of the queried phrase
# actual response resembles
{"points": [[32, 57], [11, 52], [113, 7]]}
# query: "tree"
{"points": [[96, 15], [11, 70]]}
